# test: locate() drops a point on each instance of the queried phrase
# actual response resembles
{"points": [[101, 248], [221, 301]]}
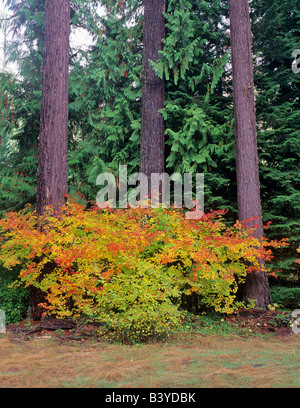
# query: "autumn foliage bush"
{"points": [[129, 268]]}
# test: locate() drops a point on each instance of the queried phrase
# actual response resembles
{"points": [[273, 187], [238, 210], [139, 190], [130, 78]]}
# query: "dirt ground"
{"points": [[254, 321], [263, 321]]}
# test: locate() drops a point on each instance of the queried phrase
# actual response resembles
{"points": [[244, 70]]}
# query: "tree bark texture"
{"points": [[153, 88], [53, 142], [248, 187]]}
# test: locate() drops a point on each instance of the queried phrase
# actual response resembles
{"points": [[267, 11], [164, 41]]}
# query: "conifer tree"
{"points": [[152, 158], [105, 96], [21, 111], [53, 141], [197, 113], [276, 34], [248, 187]]}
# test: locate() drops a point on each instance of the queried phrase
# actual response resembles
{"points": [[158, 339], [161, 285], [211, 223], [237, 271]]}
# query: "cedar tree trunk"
{"points": [[153, 88], [53, 141], [248, 187]]}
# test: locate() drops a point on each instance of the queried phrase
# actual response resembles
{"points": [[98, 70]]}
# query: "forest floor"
{"points": [[254, 349]]}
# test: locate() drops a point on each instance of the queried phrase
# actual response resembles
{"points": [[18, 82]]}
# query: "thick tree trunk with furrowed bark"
{"points": [[153, 87], [248, 187], [53, 141]]}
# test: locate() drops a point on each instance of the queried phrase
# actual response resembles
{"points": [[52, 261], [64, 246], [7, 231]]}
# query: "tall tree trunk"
{"points": [[248, 188], [153, 88], [53, 141]]}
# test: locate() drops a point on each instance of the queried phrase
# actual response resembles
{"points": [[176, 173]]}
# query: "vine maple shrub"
{"points": [[129, 268]]}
